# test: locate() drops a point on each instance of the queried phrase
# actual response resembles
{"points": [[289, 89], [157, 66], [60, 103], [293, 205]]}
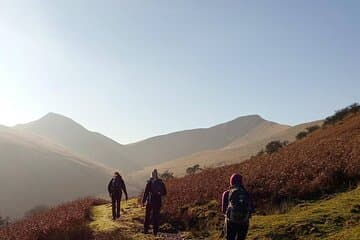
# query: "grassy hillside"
{"points": [[335, 218], [66, 221], [320, 163], [239, 150]]}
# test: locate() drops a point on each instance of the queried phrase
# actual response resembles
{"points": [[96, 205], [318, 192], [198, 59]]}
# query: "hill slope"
{"points": [[239, 150], [92, 145], [179, 144], [37, 172], [335, 218], [327, 158]]}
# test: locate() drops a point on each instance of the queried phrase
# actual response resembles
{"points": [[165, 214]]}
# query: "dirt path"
{"points": [[128, 227]]}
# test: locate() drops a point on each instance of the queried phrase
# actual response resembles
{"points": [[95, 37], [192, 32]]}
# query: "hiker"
{"points": [[237, 207], [115, 187], [154, 191]]}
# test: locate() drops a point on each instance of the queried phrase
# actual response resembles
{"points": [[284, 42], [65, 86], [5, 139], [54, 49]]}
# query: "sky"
{"points": [[136, 69]]}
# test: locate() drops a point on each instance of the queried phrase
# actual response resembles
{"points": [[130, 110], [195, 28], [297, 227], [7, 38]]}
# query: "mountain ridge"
{"points": [[147, 152]]}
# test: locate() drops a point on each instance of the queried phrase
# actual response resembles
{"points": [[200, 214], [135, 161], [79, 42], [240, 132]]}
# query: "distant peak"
{"points": [[52, 118], [53, 114], [251, 116]]}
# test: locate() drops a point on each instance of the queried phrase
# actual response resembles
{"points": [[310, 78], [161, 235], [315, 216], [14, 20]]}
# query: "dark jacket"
{"points": [[152, 198], [115, 190]]}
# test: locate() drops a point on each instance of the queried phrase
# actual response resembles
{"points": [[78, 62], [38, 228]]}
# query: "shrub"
{"points": [[194, 169], [312, 128], [274, 146], [36, 210], [301, 135], [167, 175], [341, 114], [261, 152]]}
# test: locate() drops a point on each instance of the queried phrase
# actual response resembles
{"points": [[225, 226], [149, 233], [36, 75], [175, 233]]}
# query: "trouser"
{"points": [[115, 202], [235, 231], [152, 213]]}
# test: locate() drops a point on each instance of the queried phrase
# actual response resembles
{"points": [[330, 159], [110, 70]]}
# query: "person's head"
{"points": [[116, 174], [236, 180], [154, 174]]}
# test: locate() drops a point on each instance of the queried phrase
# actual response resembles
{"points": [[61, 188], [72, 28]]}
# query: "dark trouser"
{"points": [[152, 213], [115, 202], [235, 231]]}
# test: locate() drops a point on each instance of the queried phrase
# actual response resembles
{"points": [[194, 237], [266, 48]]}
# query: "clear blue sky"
{"points": [[134, 69]]}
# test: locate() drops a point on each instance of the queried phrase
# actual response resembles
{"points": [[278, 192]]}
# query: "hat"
{"points": [[236, 179]]}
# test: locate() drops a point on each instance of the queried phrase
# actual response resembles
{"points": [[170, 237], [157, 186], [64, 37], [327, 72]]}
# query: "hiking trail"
{"points": [[129, 226]]}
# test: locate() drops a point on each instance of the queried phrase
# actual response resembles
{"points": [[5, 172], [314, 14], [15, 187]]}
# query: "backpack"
{"points": [[157, 186], [238, 210], [116, 184]]}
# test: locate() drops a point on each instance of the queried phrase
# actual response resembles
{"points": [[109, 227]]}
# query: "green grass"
{"points": [[335, 218]]}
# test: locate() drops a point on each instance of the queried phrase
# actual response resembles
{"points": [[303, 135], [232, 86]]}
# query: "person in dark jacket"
{"points": [[154, 191], [115, 187], [236, 230]]}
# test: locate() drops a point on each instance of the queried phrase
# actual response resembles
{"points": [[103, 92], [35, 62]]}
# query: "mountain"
{"points": [[171, 146], [148, 152], [35, 171], [76, 138], [238, 150], [299, 194]]}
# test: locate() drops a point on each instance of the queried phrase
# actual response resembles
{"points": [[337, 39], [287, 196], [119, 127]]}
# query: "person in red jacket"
{"points": [[115, 187], [237, 207], [154, 191]]}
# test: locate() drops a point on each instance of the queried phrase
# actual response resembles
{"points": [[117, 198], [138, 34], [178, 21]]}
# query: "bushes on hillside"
{"points": [[67, 221], [274, 146], [166, 175], [4, 221], [194, 169], [36, 210], [320, 164], [301, 135], [312, 128], [341, 114]]}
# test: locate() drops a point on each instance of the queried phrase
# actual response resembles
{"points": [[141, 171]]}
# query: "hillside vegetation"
{"points": [[318, 164], [239, 150], [334, 218], [67, 221]]}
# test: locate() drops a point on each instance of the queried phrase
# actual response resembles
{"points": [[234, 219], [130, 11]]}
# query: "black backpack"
{"points": [[116, 184], [238, 210], [157, 186]]}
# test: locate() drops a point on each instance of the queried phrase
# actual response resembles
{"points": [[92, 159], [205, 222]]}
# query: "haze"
{"points": [[135, 69]]}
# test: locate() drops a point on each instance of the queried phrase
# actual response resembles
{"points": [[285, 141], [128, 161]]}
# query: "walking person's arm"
{"points": [[146, 194], [109, 188], [164, 186], [224, 201], [123, 186]]}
